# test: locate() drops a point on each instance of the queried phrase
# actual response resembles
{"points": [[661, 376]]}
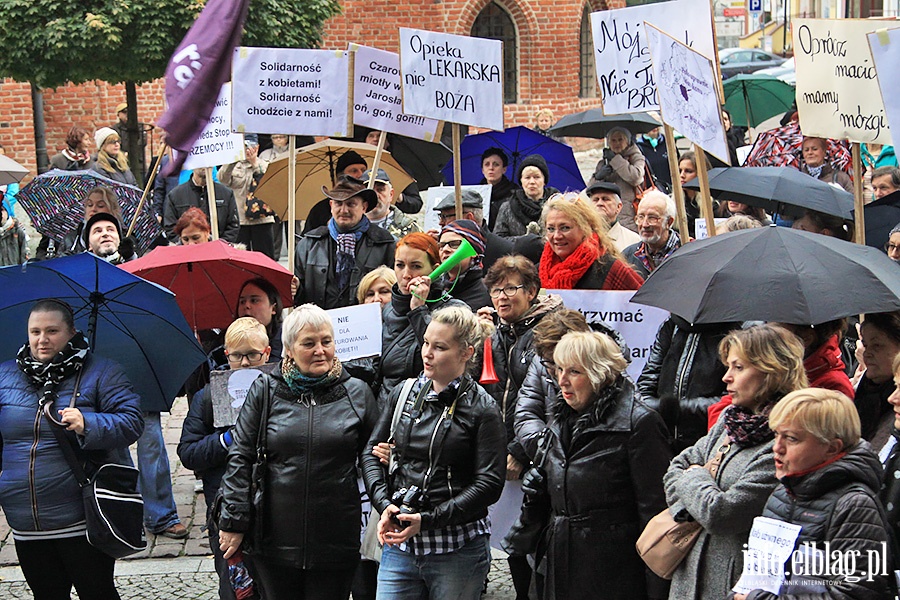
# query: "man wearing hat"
{"points": [[386, 214], [606, 197], [103, 236], [473, 210], [257, 226], [350, 163], [193, 193], [466, 281], [331, 259], [121, 127]]}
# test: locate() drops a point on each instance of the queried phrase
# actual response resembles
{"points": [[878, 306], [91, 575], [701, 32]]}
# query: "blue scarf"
{"points": [[346, 249]]}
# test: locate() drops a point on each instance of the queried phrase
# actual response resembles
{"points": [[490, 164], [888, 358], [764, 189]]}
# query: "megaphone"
{"points": [[464, 251]]}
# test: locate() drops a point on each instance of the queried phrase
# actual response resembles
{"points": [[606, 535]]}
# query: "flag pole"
{"points": [[150, 181], [859, 217], [377, 160], [457, 169], [677, 192], [706, 205], [211, 196], [292, 200]]}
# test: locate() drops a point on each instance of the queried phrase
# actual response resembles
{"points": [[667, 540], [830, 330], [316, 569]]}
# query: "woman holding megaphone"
{"points": [[464, 281]]}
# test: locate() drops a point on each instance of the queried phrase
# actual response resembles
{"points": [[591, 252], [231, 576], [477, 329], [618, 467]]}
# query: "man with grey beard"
{"points": [[654, 219]]}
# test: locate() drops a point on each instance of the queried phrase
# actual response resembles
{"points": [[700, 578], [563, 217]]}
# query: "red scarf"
{"points": [[559, 274]]}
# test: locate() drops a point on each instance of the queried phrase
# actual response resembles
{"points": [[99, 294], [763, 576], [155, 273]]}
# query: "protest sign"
{"points": [[637, 323], [885, 47], [228, 390], [291, 91], [626, 80], [357, 331], [688, 97], [837, 89], [700, 227], [770, 544], [376, 96], [217, 144], [433, 195], [452, 78]]}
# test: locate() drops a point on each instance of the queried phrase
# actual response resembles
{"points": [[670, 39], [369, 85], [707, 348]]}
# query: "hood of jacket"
{"points": [[826, 358], [543, 305], [859, 465]]}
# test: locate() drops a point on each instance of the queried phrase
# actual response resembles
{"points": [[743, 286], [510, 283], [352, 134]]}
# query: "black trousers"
{"points": [[52, 567], [260, 238], [279, 582]]}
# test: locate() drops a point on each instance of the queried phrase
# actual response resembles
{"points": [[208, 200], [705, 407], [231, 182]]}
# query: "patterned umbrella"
{"points": [[55, 203], [781, 147]]}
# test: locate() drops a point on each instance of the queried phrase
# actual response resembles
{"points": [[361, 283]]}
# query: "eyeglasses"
{"points": [[452, 243], [509, 291], [889, 247], [649, 219], [237, 358]]}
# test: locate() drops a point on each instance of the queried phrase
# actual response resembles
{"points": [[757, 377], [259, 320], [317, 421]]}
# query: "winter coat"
{"points": [[622, 237], [239, 177], [187, 195], [468, 472], [872, 405], [402, 333], [624, 277], [162, 186], [501, 192], [38, 491], [400, 224], [511, 224], [725, 505], [125, 176], [61, 161], [604, 472], [13, 246], [512, 347], [657, 158], [627, 172], [495, 248], [831, 175], [683, 377], [835, 504], [310, 497], [469, 288], [825, 369], [316, 259]]}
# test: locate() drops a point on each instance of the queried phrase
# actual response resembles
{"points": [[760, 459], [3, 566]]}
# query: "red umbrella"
{"points": [[207, 278], [781, 147]]}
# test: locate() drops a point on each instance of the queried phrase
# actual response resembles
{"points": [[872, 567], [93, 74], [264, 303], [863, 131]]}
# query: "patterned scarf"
{"points": [[50, 374], [302, 384], [815, 171], [654, 259], [346, 249], [559, 274], [747, 428]]}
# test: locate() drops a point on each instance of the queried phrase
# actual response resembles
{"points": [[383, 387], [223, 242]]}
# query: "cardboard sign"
{"points": [[433, 196], [376, 96], [218, 144], [637, 323], [885, 47], [291, 91], [626, 80], [452, 78], [228, 390], [837, 88], [688, 97], [770, 544], [357, 331]]}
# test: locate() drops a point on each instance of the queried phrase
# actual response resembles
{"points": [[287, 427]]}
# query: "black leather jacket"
{"points": [[311, 507], [466, 455]]}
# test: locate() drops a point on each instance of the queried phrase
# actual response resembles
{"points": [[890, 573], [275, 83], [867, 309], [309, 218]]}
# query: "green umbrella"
{"points": [[760, 96]]}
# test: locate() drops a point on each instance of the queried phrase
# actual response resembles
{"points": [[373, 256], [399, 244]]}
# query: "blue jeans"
{"points": [[458, 575], [155, 478]]}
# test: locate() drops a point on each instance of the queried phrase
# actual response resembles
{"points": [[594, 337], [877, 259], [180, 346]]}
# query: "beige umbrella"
{"points": [[11, 171], [315, 168]]}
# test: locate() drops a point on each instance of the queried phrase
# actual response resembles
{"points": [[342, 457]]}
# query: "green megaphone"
{"points": [[464, 251]]}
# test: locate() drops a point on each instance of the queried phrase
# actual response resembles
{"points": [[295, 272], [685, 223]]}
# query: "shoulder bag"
{"points": [[524, 535]]}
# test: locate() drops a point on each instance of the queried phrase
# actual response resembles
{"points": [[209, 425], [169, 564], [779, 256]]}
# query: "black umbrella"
{"points": [[881, 216], [772, 274], [778, 190], [423, 160], [594, 124]]}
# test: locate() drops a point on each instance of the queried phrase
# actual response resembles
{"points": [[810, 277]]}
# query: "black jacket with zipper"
{"points": [[465, 454]]}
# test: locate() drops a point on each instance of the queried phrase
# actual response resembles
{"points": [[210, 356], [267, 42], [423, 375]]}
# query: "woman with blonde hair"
{"points": [[764, 363], [375, 286], [579, 254], [112, 162]]}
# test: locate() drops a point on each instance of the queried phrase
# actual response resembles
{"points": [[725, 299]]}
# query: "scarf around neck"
{"points": [[346, 248], [524, 208], [747, 428], [559, 274], [815, 171], [303, 384], [49, 375]]}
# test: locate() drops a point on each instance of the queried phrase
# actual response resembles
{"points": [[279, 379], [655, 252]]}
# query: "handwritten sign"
{"points": [[357, 330], [770, 544], [291, 91], [376, 96], [700, 227], [837, 88], [228, 390], [434, 195], [217, 144], [626, 80], [637, 323], [452, 78], [885, 47], [688, 98]]}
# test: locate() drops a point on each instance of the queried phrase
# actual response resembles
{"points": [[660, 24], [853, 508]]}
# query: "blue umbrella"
{"points": [[518, 142], [134, 322]]}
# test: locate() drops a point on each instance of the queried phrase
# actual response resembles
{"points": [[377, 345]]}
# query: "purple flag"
{"points": [[198, 68]]}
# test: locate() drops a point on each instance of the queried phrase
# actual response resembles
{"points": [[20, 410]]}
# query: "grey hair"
{"points": [[303, 316], [671, 211], [893, 172], [596, 353], [896, 229]]}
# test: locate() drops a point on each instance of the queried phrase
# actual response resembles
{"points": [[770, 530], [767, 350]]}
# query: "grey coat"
{"points": [[725, 506]]}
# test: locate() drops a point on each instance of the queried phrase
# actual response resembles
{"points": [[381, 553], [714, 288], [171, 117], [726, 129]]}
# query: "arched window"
{"points": [[587, 73], [495, 23]]}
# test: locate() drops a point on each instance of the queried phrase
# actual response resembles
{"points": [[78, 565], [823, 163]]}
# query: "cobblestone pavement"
{"points": [[177, 568]]}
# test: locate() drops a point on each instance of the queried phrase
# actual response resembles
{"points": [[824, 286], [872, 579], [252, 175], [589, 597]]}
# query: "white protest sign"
{"points": [[770, 544], [217, 144], [357, 330], [885, 47], [376, 96], [837, 89], [637, 323], [700, 227], [688, 97], [291, 91], [626, 81], [452, 78], [434, 195]]}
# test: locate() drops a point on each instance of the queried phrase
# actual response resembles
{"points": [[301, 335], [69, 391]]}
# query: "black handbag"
{"points": [[113, 509], [258, 476], [523, 537]]}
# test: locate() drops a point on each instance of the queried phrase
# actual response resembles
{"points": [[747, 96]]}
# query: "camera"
{"points": [[409, 500]]}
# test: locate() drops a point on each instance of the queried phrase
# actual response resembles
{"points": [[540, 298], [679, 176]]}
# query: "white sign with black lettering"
{"points": [[452, 78], [357, 331], [376, 96], [217, 144], [292, 91], [769, 545]]}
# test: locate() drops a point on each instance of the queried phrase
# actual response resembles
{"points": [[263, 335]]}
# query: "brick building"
{"points": [[548, 63]]}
